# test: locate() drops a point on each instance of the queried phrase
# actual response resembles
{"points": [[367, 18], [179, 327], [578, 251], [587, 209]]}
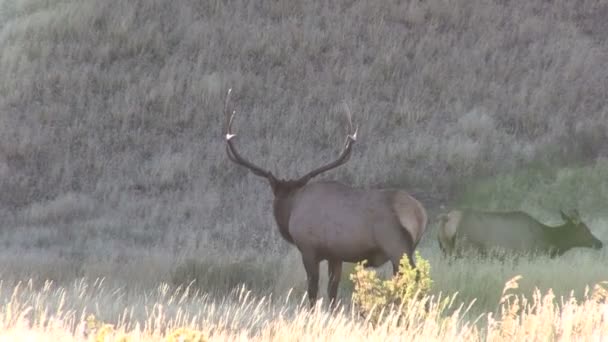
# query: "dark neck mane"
{"points": [[282, 211], [559, 236]]}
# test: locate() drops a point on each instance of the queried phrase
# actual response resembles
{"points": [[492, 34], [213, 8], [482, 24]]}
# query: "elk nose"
{"points": [[598, 244]]}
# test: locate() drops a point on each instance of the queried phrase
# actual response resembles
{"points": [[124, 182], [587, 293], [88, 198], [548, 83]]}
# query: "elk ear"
{"points": [[565, 217], [575, 215]]}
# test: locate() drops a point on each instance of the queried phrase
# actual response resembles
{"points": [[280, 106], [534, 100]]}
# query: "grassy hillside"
{"points": [[121, 100], [112, 160]]}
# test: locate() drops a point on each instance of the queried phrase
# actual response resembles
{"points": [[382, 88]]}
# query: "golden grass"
{"points": [[54, 313]]}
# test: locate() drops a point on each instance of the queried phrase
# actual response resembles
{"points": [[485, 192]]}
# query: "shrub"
{"points": [[372, 295], [100, 331], [185, 335]]}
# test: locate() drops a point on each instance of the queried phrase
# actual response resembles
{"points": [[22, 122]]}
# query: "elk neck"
{"points": [[284, 194], [561, 237]]}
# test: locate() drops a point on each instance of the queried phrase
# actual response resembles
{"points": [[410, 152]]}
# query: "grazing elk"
{"points": [[511, 231], [328, 220]]}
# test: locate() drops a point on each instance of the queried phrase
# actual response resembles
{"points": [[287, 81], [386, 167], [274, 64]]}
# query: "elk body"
{"points": [[512, 231], [328, 220]]}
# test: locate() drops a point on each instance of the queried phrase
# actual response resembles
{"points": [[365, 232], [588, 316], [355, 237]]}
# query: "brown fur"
{"points": [[411, 214], [335, 222]]}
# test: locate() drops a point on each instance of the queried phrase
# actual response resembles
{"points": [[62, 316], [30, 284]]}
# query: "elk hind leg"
{"points": [[396, 247], [334, 268]]}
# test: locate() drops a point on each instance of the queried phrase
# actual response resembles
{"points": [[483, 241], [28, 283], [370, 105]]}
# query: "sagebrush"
{"points": [[373, 295]]}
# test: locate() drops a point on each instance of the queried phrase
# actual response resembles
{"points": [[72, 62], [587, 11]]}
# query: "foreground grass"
{"points": [[45, 312]]}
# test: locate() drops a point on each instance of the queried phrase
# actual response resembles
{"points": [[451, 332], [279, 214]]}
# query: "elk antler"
{"points": [[231, 150], [344, 156]]}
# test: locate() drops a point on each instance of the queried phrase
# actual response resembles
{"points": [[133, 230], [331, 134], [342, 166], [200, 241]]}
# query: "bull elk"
{"points": [[328, 220], [515, 232]]}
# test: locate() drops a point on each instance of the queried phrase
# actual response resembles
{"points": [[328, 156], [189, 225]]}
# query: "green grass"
{"points": [[543, 191]]}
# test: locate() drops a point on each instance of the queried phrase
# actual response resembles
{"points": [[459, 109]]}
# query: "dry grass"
{"points": [[72, 314]]}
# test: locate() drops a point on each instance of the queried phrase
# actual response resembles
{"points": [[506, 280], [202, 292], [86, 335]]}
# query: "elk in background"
{"points": [[514, 232], [328, 220]]}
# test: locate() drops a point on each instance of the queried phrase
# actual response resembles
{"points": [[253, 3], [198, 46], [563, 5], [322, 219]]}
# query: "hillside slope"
{"points": [[110, 111]]}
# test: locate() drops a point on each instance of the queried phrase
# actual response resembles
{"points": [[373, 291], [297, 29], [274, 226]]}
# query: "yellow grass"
{"points": [[53, 313]]}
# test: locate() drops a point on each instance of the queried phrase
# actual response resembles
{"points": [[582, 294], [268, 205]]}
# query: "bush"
{"points": [[185, 335], [372, 295], [100, 331]]}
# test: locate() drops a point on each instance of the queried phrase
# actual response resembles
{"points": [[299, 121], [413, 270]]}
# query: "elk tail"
{"points": [[411, 214], [443, 218], [448, 224]]}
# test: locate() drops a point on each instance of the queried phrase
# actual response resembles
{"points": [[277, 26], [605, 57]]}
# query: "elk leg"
{"points": [[395, 247], [396, 260], [334, 268], [441, 248], [311, 265], [410, 255]]}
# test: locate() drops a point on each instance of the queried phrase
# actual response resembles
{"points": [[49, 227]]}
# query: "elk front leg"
{"points": [[311, 265]]}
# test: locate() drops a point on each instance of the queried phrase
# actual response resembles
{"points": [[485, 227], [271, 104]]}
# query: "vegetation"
{"points": [[543, 190], [112, 164], [372, 295], [52, 313]]}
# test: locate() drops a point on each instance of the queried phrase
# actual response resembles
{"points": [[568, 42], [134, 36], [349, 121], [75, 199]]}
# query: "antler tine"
{"points": [[233, 155], [229, 116], [352, 134], [230, 155], [344, 155]]}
